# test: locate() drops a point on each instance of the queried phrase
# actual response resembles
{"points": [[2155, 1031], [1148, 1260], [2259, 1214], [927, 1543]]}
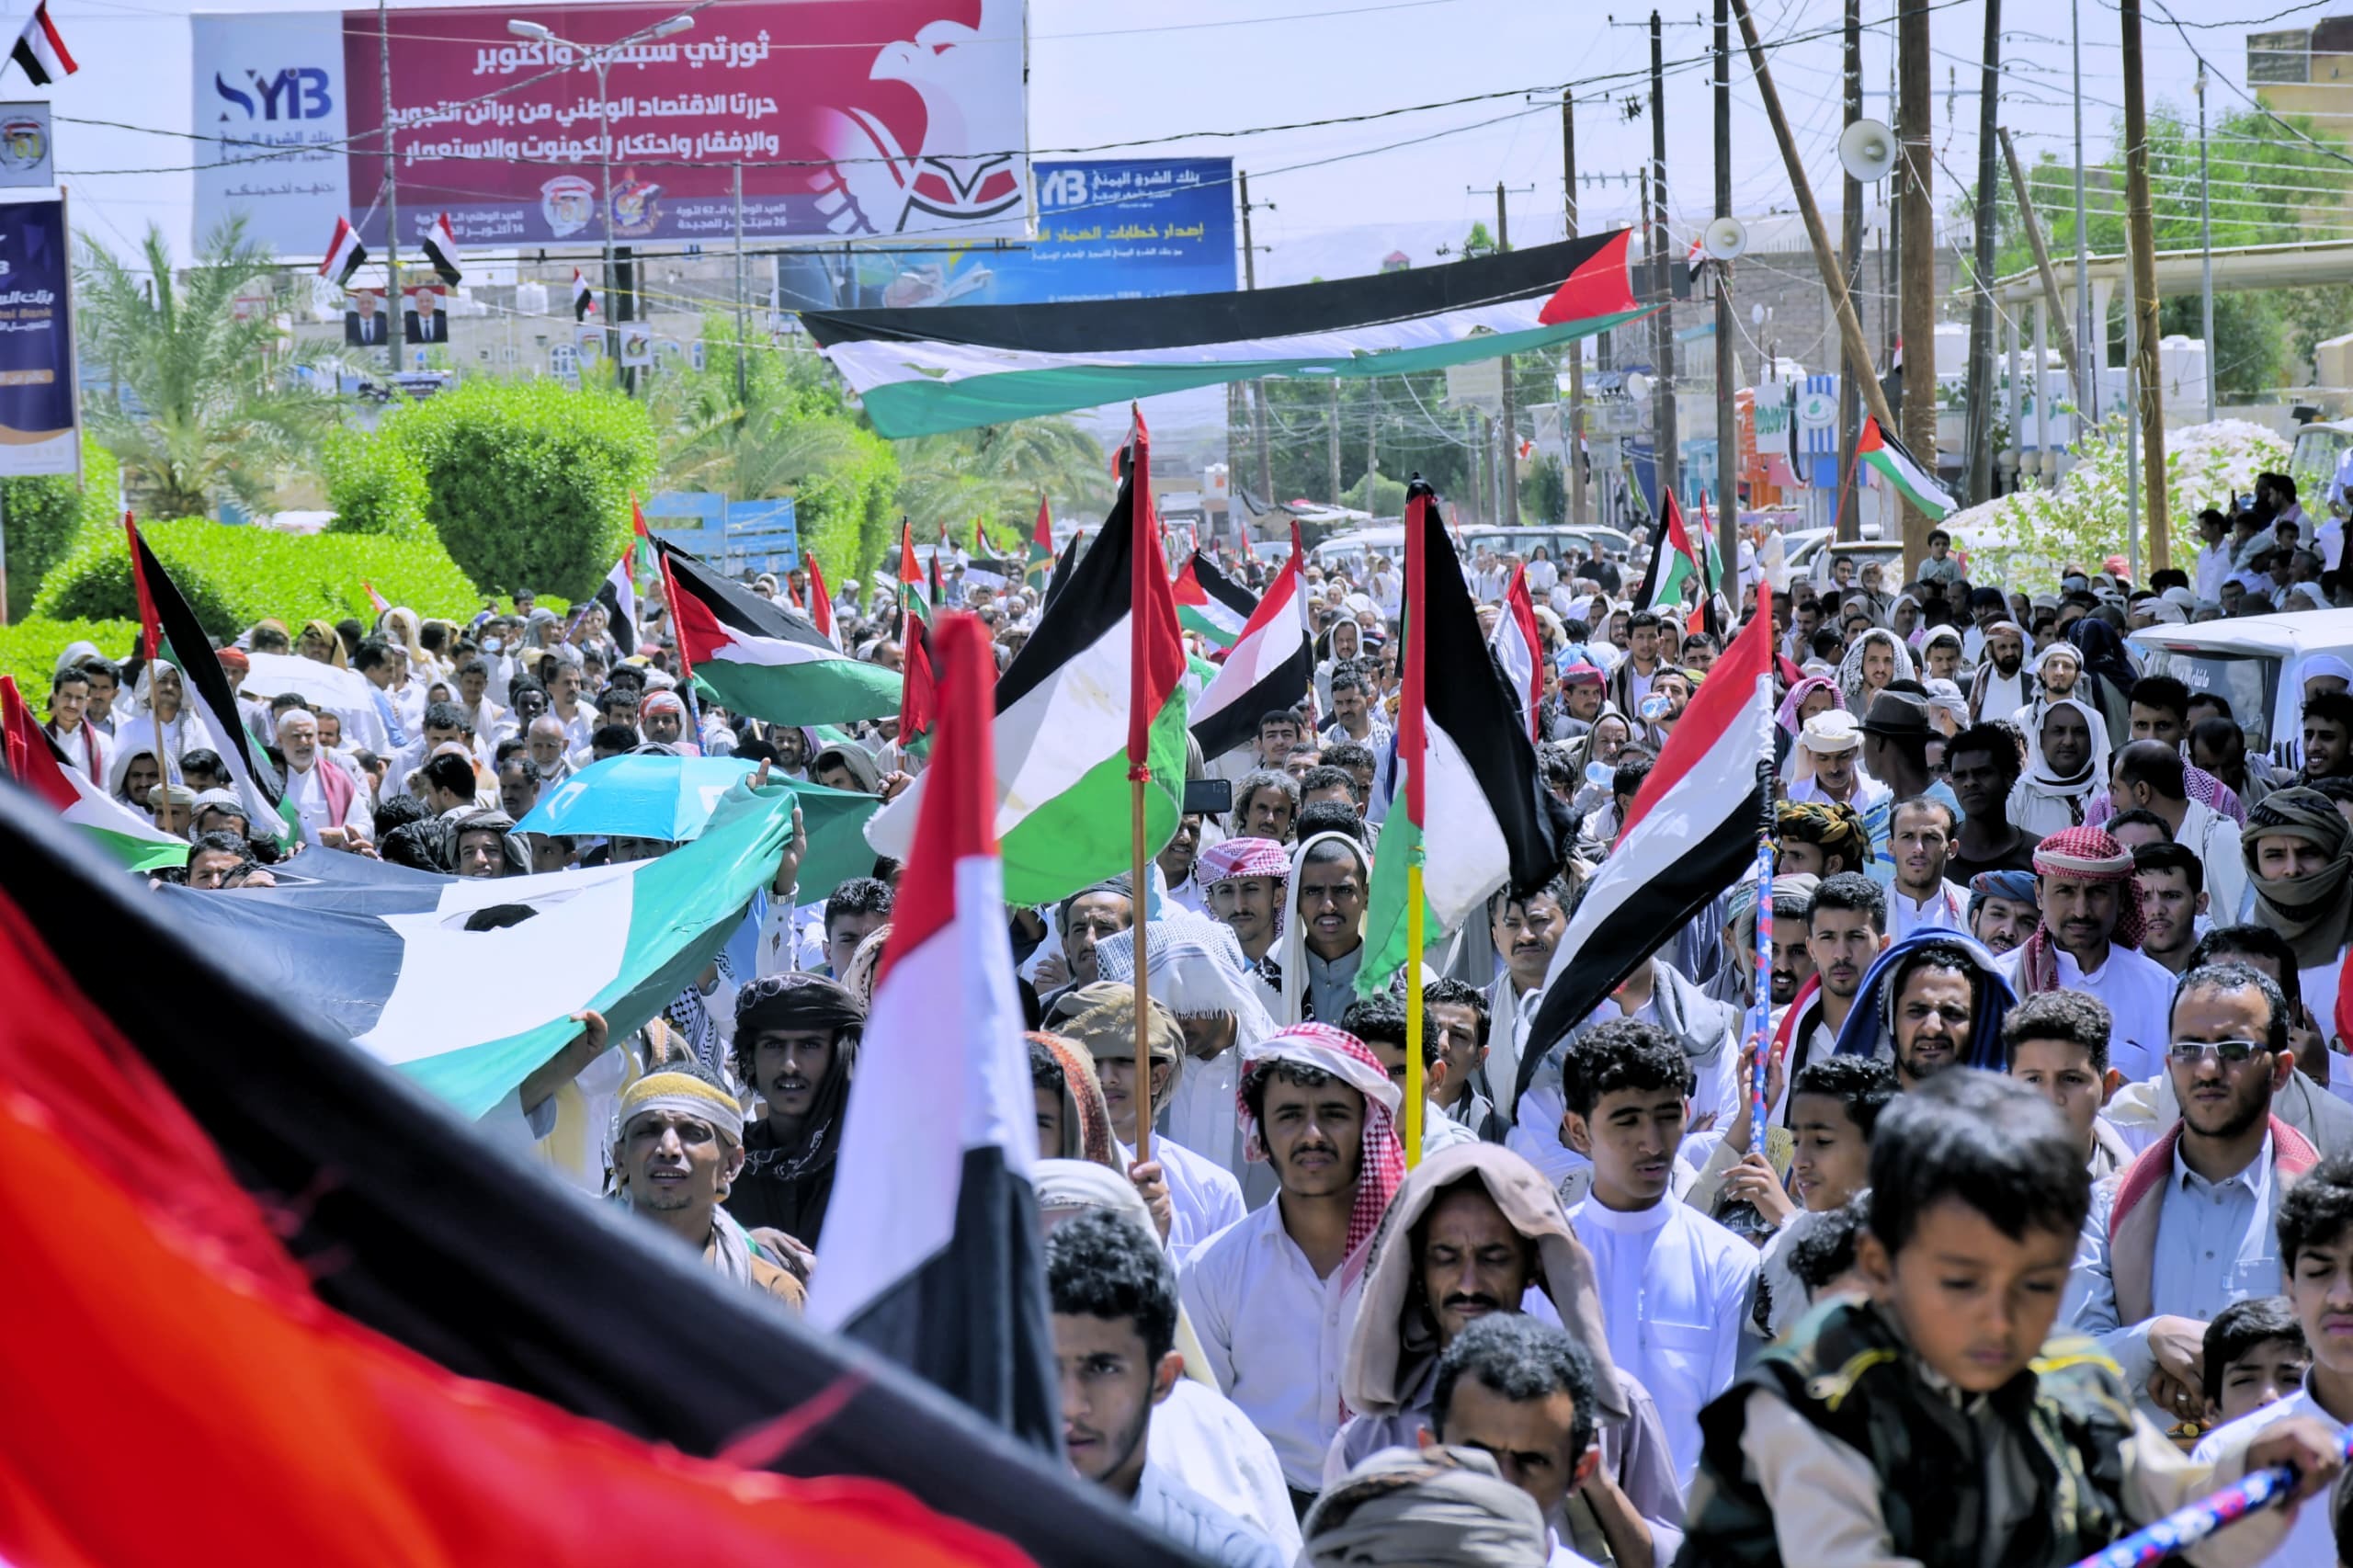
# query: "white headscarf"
{"points": [[2039, 779], [1291, 945]]}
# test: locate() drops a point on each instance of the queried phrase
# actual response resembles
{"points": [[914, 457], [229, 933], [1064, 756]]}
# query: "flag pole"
{"points": [[1414, 1074], [1760, 1008], [2185, 1527], [150, 635], [1413, 751], [1141, 534], [1139, 774]]}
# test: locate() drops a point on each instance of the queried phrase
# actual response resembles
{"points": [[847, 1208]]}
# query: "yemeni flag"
{"points": [[1210, 603], [1519, 648], [1268, 667], [763, 661], [932, 1253], [583, 298], [40, 52], [1474, 808], [1100, 680], [345, 254], [223, 1208], [123, 833], [169, 631], [617, 592], [1690, 833], [441, 250], [918, 688], [1894, 462], [820, 605]]}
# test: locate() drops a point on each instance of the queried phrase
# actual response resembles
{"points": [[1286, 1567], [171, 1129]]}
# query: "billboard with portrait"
{"points": [[851, 120]]}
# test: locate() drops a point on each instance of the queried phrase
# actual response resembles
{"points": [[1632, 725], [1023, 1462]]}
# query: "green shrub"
{"points": [[235, 576], [374, 485], [847, 511], [45, 515], [530, 482], [28, 650]]}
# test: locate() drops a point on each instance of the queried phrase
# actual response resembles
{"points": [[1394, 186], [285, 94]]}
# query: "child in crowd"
{"points": [[2255, 1355]]}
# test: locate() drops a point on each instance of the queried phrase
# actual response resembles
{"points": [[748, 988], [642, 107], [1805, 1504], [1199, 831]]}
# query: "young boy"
{"points": [[2255, 1357], [1928, 1424], [2056, 1044], [2317, 1262], [1833, 1107], [1675, 1285]]}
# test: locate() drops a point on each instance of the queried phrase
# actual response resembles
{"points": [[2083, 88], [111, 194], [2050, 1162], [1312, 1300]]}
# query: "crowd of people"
{"points": [[2053, 1230]]}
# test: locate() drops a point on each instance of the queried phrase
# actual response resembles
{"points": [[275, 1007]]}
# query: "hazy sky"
{"points": [[1156, 69]]}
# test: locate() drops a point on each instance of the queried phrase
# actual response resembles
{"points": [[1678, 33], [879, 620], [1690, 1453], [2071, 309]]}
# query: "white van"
{"points": [[2254, 663]]}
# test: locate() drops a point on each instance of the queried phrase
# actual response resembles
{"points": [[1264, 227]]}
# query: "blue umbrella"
{"points": [[671, 798]]}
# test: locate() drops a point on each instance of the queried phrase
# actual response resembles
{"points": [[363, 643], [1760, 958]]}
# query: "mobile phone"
{"points": [[1209, 797]]}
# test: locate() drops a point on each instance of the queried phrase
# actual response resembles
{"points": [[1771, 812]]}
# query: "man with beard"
{"points": [[1932, 1001], [2089, 939], [1983, 763], [1474, 1232], [1846, 927], [1920, 833], [1819, 840], [1244, 878], [1113, 1299], [2173, 897], [1313, 971], [2066, 760], [679, 1147], [2001, 909], [1274, 1297], [1525, 931], [1735, 982], [2190, 1225], [1084, 918], [1824, 766], [796, 1046], [2003, 686], [1266, 803], [1176, 863]]}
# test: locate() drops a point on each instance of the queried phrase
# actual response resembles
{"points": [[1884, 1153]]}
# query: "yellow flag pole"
{"points": [[1142, 1094], [1414, 1074]]}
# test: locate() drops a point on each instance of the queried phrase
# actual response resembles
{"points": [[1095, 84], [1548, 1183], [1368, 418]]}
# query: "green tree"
{"points": [[993, 477], [196, 404], [45, 517]]}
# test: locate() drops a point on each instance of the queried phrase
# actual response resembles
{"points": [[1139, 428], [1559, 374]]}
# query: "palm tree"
{"points": [[996, 474], [218, 411], [764, 446]]}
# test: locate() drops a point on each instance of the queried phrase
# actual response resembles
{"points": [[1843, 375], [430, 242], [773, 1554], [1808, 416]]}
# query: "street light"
{"points": [[600, 58]]}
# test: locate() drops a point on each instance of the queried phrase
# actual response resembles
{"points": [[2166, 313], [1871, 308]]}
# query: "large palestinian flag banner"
{"points": [[765, 660], [1473, 806], [959, 367], [353, 1329], [1101, 674]]}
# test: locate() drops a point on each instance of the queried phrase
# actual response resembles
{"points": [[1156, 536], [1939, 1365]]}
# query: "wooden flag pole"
{"points": [[1413, 1074], [1139, 777], [1412, 755]]}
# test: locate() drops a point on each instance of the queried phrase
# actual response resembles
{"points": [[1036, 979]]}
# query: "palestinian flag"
{"points": [[1268, 667], [1210, 602], [763, 661], [918, 688], [345, 254], [168, 631], [1040, 559], [122, 833], [1690, 833], [820, 604], [1703, 616], [1100, 680], [914, 599], [1889, 457], [1519, 648], [1676, 578], [937, 368], [312, 1283], [441, 249], [1473, 809], [932, 1250], [583, 298], [1062, 568]]}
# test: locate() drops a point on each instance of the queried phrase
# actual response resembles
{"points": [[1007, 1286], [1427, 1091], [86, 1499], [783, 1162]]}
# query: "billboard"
{"points": [[38, 429], [1107, 229], [850, 119]]}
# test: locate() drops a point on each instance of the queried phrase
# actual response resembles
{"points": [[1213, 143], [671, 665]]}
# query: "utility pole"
{"points": [[2149, 394], [2054, 309], [2206, 252], [1850, 251], [1669, 450], [1574, 423], [743, 322], [395, 320], [2093, 350], [1507, 457], [1332, 445], [1259, 418], [1980, 297], [1917, 262], [1727, 420]]}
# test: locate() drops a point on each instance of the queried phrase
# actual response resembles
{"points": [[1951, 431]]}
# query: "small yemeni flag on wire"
{"points": [[376, 601], [1210, 602], [1268, 667], [1695, 261], [1690, 833], [821, 603], [119, 830], [344, 254], [932, 1250], [1041, 544], [584, 298], [912, 597], [441, 250], [1895, 464], [1518, 647], [1470, 797], [40, 52], [169, 631]]}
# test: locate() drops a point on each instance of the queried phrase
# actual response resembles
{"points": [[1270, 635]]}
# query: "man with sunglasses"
{"points": [[2189, 1226]]}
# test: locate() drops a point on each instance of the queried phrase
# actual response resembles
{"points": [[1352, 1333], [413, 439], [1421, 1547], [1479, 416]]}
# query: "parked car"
{"points": [[2254, 663]]}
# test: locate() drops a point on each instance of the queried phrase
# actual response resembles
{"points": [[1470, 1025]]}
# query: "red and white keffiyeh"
{"points": [[1348, 1059]]}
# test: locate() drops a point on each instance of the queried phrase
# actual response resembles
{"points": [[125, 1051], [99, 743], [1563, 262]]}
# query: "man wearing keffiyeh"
{"points": [[1275, 1297], [2089, 941], [1246, 878]]}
